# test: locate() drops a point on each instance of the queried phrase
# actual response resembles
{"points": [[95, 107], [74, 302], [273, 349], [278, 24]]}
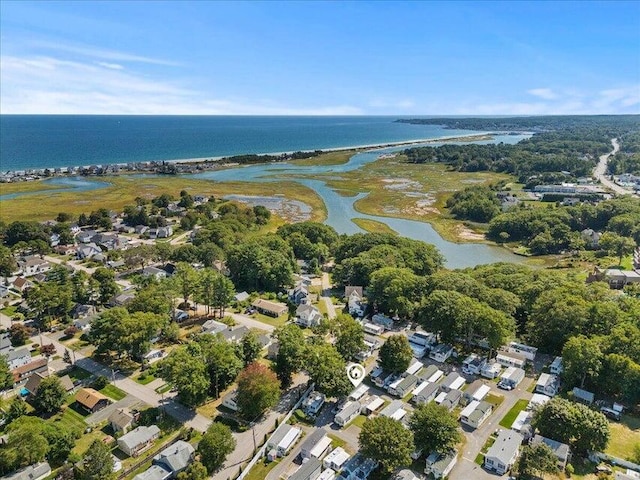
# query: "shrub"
{"points": [[100, 382]]}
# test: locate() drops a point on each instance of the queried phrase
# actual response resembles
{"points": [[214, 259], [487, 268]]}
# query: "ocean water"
{"points": [[39, 141]]}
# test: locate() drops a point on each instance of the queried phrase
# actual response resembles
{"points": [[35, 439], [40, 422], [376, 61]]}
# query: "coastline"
{"points": [[215, 162]]}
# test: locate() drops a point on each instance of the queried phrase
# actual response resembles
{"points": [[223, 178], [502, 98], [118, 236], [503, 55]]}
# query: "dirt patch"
{"points": [[466, 233], [401, 184]]}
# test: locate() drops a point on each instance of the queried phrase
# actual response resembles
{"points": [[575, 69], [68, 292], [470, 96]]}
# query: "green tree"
{"points": [[19, 334], [17, 408], [185, 370], [187, 280], [50, 395], [395, 354], [223, 363], [572, 423], [395, 290], [617, 245], [349, 336], [25, 445], [97, 463], [387, 441], [291, 352], [327, 369], [223, 293], [581, 359], [250, 347], [6, 378], [258, 391], [434, 428], [195, 471], [107, 286], [8, 263], [536, 460], [215, 445]]}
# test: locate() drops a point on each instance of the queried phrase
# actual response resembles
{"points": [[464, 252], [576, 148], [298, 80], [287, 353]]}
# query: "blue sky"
{"points": [[370, 58]]}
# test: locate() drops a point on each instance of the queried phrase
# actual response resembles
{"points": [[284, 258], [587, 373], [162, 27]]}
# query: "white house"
{"points": [[336, 459], [476, 391], [313, 403], [18, 357], [315, 445], [556, 366], [547, 384], [374, 404], [383, 321], [522, 423], [373, 329], [475, 414], [359, 392], [441, 352], [453, 381], [504, 452], [537, 399], [309, 470], [526, 351], [308, 316], [230, 401], [451, 399], [431, 374], [175, 458], [440, 465], [511, 378], [348, 412], [473, 364], [491, 370], [424, 339], [414, 367], [391, 409], [509, 359], [37, 471], [425, 393], [403, 386], [138, 440], [283, 439]]}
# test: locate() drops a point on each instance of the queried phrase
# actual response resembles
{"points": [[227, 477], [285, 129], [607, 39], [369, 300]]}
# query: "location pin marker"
{"points": [[356, 373]]}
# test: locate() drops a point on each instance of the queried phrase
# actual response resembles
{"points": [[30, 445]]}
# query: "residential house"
{"points": [[107, 241], [336, 459], [88, 251], [154, 355], [526, 351], [22, 373], [440, 464], [476, 391], [583, 396], [156, 272], [403, 386], [473, 364], [315, 445], [121, 420], [491, 370], [556, 366], [431, 374], [474, 414], [414, 367], [213, 327], [547, 384], [66, 249], [359, 392], [138, 440], [394, 410], [372, 407], [355, 301], [4, 291], [33, 383], [405, 474], [358, 468], [561, 450], [83, 324], [382, 320], [424, 339], [5, 343], [522, 424], [352, 289], [230, 401], [373, 329], [348, 412], [272, 309], [441, 352], [241, 297], [313, 403], [509, 359], [537, 399], [299, 294], [122, 299], [21, 284], [453, 381], [82, 311], [18, 357], [85, 236], [617, 278], [32, 265], [180, 315], [452, 399], [91, 400], [283, 439], [511, 377], [504, 452], [591, 237], [425, 393], [309, 470], [154, 472], [175, 458], [308, 316], [234, 334], [37, 471]]}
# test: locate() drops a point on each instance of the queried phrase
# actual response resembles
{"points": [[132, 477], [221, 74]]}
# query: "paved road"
{"points": [[466, 466], [326, 295], [251, 323], [5, 321], [601, 170], [141, 392]]}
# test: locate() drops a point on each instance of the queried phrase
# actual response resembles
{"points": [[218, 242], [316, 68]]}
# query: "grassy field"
{"points": [[276, 322], [625, 435], [260, 470], [145, 379], [327, 158], [419, 192], [511, 415], [373, 226], [125, 188], [114, 392]]}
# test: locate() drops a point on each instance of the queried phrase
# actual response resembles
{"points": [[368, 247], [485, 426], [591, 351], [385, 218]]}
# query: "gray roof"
{"points": [[505, 446], [405, 474], [234, 333], [449, 379], [429, 390], [480, 411], [313, 439], [139, 436], [154, 472], [17, 353], [583, 394], [407, 382], [36, 470], [391, 408], [428, 371], [176, 457], [349, 409], [560, 449], [307, 469], [452, 399], [279, 434]]}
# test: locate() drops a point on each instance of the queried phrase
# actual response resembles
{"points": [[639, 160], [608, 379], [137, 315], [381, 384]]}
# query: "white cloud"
{"points": [[544, 93], [47, 85], [112, 66], [388, 104]]}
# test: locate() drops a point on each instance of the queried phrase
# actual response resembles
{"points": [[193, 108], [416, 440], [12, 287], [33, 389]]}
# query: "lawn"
{"points": [[358, 421], [337, 441], [69, 418], [77, 373], [276, 322], [511, 415], [625, 435], [260, 470], [145, 378], [163, 388], [113, 392], [494, 399], [373, 226]]}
